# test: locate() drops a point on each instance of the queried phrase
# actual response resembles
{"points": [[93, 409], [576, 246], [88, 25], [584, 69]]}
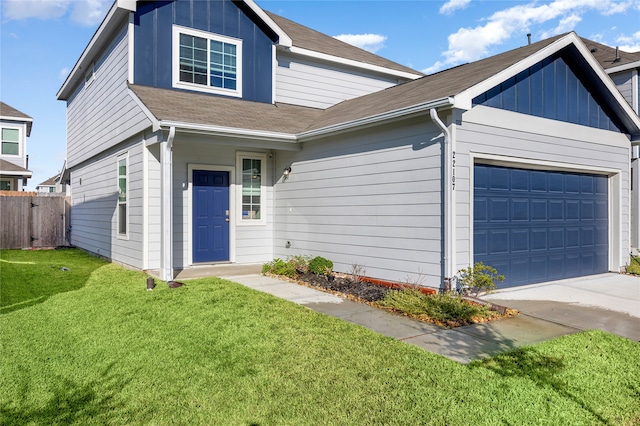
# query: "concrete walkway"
{"points": [[462, 344]]}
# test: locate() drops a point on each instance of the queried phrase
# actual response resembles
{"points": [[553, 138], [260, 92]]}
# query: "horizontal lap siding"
{"points": [[320, 86], [371, 198], [94, 207], [102, 113], [254, 244], [623, 82], [602, 149]]}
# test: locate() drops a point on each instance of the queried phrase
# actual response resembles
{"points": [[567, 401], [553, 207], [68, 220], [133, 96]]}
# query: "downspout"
{"points": [[448, 209], [166, 170]]}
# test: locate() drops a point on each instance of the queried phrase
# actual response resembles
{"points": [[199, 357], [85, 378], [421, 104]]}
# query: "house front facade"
{"points": [[204, 132], [15, 128]]}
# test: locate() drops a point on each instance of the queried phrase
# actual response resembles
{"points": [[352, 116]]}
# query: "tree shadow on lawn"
{"points": [[543, 370], [70, 402], [31, 277]]}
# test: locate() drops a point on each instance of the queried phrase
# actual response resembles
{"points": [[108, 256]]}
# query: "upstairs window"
{"points": [[207, 62], [10, 141]]}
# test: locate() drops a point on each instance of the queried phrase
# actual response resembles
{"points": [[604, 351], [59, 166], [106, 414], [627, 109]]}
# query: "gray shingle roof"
{"points": [[310, 39], [186, 107], [196, 108], [606, 55], [9, 111], [51, 181], [7, 166]]}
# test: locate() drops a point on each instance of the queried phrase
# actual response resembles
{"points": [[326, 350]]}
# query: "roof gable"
{"points": [[7, 112], [551, 89]]}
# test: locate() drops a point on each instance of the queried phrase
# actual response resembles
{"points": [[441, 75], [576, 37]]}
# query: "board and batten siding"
{"points": [[370, 198], [253, 243], [519, 140], [101, 113], [95, 202], [318, 85], [623, 82]]}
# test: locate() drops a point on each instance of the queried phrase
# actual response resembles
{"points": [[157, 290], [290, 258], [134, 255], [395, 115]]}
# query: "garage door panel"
{"points": [[540, 225]]}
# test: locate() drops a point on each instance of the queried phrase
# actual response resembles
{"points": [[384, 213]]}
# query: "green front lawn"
{"points": [[92, 346]]}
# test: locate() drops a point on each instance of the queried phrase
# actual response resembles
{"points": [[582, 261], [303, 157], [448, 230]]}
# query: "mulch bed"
{"points": [[344, 285], [369, 293]]}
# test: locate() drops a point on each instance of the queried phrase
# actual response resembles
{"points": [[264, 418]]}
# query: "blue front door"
{"points": [[535, 225], [210, 216]]}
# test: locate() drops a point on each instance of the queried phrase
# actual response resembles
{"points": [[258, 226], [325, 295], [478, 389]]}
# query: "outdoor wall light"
{"points": [[286, 172]]}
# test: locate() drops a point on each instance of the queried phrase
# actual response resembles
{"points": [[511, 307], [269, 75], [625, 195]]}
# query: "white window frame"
{"points": [[19, 129], [177, 30], [240, 221], [122, 157]]}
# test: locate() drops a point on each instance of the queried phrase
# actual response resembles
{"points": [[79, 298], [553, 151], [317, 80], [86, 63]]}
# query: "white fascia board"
{"points": [[283, 38], [624, 67], [27, 173], [233, 132], [350, 62], [155, 123], [21, 119], [375, 119], [116, 16]]}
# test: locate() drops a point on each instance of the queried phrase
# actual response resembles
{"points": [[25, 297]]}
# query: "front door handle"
{"points": [[227, 218]]}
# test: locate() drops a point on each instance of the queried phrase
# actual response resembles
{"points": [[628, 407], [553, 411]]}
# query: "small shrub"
{"points": [[279, 267], [441, 307], [634, 266], [357, 272], [320, 266], [300, 263], [478, 279]]}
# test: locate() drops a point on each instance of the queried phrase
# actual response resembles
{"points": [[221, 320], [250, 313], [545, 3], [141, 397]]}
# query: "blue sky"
{"points": [[40, 41]]}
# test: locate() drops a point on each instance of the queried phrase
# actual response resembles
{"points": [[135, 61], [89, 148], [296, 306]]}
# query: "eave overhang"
{"points": [[117, 16]]}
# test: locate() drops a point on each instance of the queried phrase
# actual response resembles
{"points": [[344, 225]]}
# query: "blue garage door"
{"points": [[536, 226]]}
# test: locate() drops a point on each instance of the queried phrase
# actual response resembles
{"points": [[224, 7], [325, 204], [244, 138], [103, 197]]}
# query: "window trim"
{"points": [[240, 155], [122, 157], [19, 129], [175, 66]]}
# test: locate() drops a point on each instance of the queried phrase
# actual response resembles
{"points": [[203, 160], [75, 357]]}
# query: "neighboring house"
{"points": [[15, 127], [52, 185], [212, 131], [624, 70]]}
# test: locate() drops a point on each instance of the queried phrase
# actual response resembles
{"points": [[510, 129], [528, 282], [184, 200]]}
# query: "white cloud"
{"points": [[83, 12], [370, 42], [470, 44], [630, 43], [90, 12], [565, 25], [453, 5], [64, 72]]}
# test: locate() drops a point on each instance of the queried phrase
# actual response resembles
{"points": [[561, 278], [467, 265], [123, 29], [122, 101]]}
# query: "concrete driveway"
{"points": [[609, 302]]}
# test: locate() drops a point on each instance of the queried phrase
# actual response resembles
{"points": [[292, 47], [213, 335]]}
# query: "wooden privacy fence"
{"points": [[33, 220]]}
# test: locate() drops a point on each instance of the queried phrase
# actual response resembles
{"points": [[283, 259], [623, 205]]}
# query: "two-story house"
{"points": [[203, 132], [14, 161]]}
